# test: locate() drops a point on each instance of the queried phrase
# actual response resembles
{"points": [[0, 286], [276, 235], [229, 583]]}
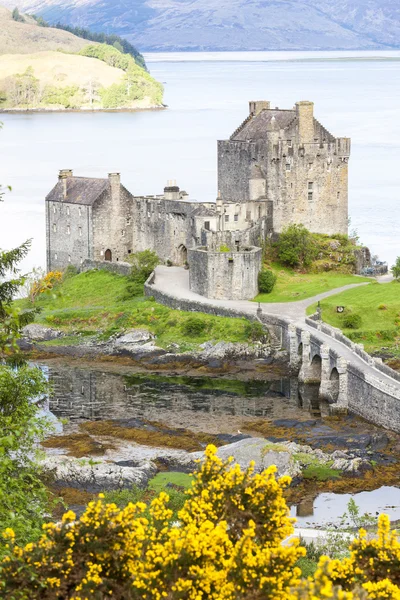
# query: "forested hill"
{"points": [[233, 24], [45, 68]]}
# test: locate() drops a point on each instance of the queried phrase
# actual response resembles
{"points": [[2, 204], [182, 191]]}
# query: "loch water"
{"points": [[356, 94], [215, 405]]}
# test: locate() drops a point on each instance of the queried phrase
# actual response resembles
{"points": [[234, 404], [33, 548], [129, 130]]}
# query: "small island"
{"points": [[50, 69]]}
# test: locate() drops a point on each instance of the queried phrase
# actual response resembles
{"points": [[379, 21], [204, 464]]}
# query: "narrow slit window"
{"points": [[68, 230], [80, 231], [55, 228], [310, 196]]}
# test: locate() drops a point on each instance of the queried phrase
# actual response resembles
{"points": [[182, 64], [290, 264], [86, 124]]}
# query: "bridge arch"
{"points": [[334, 386]]}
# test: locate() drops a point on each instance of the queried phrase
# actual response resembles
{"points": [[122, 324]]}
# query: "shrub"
{"points": [[352, 321], [193, 326], [382, 307], [396, 269], [296, 246], [255, 331], [266, 281], [229, 546], [143, 264], [224, 248]]}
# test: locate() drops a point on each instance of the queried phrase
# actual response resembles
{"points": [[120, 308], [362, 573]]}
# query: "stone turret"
{"points": [[172, 191]]}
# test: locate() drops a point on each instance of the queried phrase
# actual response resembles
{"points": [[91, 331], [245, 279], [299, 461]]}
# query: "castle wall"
{"points": [[235, 160], [225, 275], [112, 218], [69, 234]]}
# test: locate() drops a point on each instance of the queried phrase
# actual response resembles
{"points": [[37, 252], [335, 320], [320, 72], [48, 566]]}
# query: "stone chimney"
{"points": [[256, 106], [305, 115], [171, 191], [63, 176], [115, 184]]}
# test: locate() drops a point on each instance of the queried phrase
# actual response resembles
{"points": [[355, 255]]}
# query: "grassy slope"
{"points": [[292, 286], [52, 67], [24, 38], [379, 307], [93, 303]]}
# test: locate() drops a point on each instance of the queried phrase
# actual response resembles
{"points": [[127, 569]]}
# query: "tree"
{"points": [[396, 268], [296, 247], [16, 15], [266, 281]]}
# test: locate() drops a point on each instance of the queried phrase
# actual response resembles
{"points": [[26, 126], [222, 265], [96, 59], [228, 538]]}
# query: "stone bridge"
{"points": [[348, 377]]}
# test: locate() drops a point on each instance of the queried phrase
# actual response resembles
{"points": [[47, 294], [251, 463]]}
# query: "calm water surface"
{"points": [[216, 406], [207, 95]]}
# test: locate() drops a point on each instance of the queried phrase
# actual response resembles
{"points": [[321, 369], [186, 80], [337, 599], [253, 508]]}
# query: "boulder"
{"points": [[262, 453], [96, 475], [40, 333], [134, 336], [234, 350]]}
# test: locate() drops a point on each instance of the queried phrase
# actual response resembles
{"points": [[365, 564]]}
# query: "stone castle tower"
{"points": [[288, 158]]}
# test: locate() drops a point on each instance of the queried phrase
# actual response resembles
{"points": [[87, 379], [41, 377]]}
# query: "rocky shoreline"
{"points": [[140, 348]]}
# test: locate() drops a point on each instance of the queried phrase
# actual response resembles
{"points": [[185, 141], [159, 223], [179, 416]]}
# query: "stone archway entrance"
{"points": [[108, 255], [182, 254]]}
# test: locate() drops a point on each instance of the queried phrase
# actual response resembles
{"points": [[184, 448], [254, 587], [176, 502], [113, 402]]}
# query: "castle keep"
{"points": [[279, 167]]}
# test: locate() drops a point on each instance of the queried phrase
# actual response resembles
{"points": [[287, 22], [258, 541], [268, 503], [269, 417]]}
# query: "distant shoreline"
{"points": [[77, 110]]}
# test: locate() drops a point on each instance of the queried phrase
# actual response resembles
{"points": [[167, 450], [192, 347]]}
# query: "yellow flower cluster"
{"points": [[227, 545]]}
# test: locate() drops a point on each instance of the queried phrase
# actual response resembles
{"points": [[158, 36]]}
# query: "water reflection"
{"points": [[192, 402]]}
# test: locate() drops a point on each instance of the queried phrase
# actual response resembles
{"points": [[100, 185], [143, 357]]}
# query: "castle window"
{"points": [[123, 233], [310, 196], [69, 258], [55, 228], [311, 185], [207, 225], [226, 218], [54, 208], [288, 167], [128, 220], [80, 231], [68, 210], [338, 195], [68, 230], [230, 261], [81, 260], [248, 215], [289, 143], [80, 211], [55, 256], [148, 214], [236, 218], [129, 251]]}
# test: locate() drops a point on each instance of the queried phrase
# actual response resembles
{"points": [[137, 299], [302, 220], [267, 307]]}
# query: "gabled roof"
{"points": [[80, 190], [267, 120], [203, 211]]}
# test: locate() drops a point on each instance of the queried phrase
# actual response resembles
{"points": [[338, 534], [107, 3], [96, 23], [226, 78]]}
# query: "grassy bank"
{"points": [[379, 308], [292, 285], [96, 303]]}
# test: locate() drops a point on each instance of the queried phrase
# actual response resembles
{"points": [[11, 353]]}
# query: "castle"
{"points": [[279, 167]]}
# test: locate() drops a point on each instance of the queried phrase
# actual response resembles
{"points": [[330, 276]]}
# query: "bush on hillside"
{"points": [[266, 281], [352, 321], [16, 15], [229, 545], [193, 326], [255, 332], [296, 247]]}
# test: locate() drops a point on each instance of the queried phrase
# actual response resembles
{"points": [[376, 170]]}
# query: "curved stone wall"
{"points": [[225, 275]]}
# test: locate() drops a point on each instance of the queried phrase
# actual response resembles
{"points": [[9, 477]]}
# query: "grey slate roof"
{"points": [[266, 120], [203, 211], [80, 190]]}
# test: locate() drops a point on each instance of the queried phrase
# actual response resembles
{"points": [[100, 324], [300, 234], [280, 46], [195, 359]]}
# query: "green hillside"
{"points": [[44, 68]]}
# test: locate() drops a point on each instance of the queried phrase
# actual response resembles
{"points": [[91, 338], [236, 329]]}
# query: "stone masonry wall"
{"points": [[225, 275], [69, 235]]}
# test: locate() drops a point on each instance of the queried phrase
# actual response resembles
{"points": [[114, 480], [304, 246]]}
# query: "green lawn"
{"points": [[96, 302], [379, 307], [292, 286]]}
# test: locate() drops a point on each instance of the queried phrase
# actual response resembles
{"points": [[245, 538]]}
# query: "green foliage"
{"points": [[108, 54], [396, 269], [307, 566], [352, 321], [296, 247], [23, 497], [194, 326], [40, 21], [68, 97], [255, 332], [116, 41], [23, 89], [320, 472], [224, 248], [266, 281], [143, 264], [16, 15]]}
